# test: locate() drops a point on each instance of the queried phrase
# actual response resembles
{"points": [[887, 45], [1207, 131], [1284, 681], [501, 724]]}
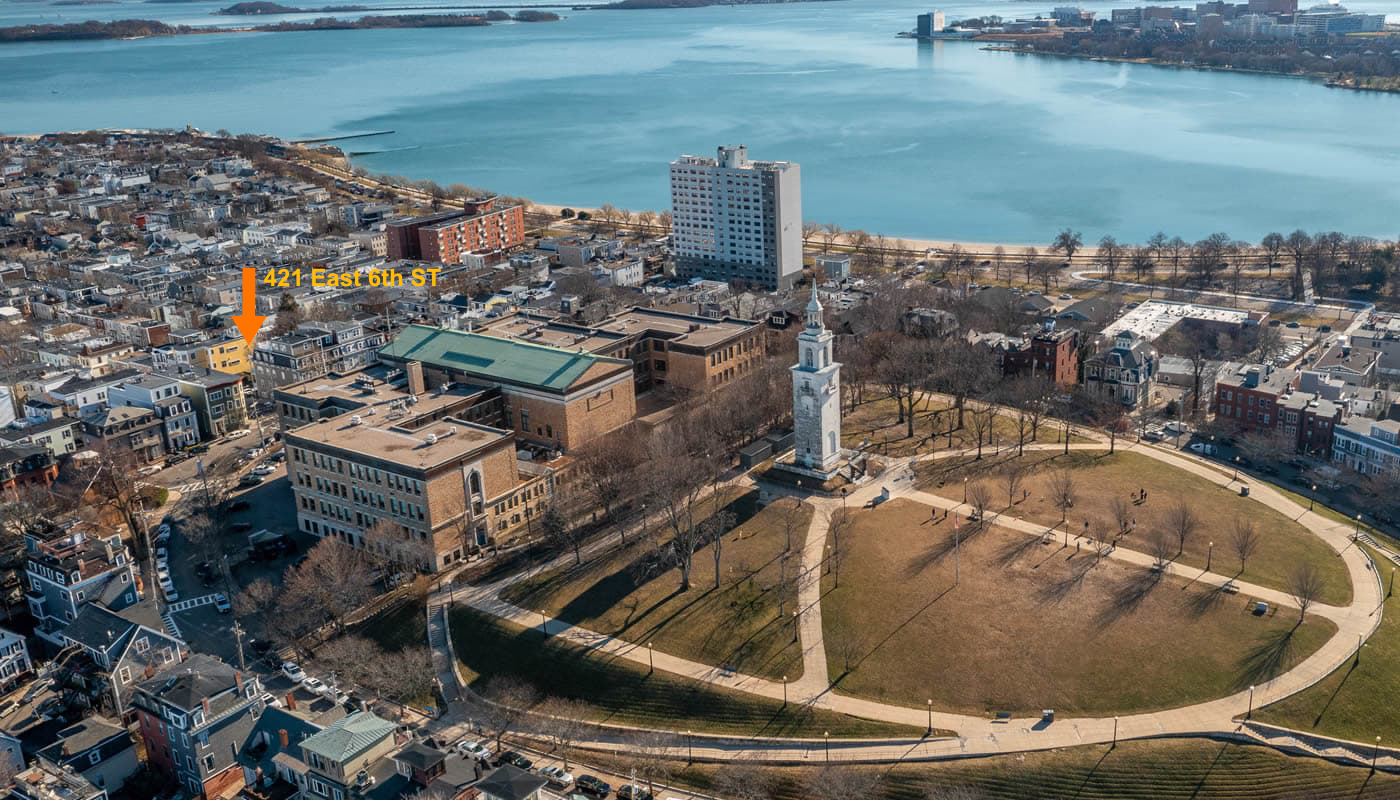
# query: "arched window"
{"points": [[807, 356], [475, 482]]}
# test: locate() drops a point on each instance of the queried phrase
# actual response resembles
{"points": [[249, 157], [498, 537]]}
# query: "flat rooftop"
{"points": [[380, 388], [432, 445], [1155, 317], [696, 331]]}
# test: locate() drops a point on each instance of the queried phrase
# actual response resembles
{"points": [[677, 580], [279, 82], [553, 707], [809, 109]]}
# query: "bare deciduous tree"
{"points": [[836, 782], [1012, 478], [563, 723], [742, 779], [1122, 513], [1182, 523], [1062, 491], [1244, 539], [1159, 545], [508, 700], [1305, 585], [979, 496]]}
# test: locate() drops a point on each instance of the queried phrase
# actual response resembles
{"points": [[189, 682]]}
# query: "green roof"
{"points": [[348, 737], [505, 360]]}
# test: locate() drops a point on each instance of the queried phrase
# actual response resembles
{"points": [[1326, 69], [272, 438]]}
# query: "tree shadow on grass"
{"points": [[1062, 588], [1202, 602], [1015, 548], [941, 549], [856, 662], [1200, 785], [1128, 595], [1270, 655]]}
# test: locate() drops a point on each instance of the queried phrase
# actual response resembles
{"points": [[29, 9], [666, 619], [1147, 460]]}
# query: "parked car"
{"points": [[238, 434], [264, 469], [239, 505], [291, 670], [250, 480], [515, 759], [199, 449], [259, 646], [557, 777], [162, 554], [313, 684], [170, 594], [335, 695], [221, 603], [592, 786], [270, 699], [633, 792], [163, 530], [475, 749], [1204, 448]]}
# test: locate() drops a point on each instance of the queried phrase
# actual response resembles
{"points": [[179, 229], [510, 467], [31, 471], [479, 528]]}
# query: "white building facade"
{"points": [[737, 220], [816, 397]]}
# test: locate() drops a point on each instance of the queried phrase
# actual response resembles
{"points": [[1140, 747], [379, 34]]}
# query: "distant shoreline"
{"points": [[145, 28], [1326, 79]]}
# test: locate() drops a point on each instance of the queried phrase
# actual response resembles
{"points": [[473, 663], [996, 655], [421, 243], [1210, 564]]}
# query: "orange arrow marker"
{"points": [[249, 321]]}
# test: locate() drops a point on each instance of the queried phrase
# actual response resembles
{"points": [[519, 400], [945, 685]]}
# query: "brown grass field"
{"points": [[738, 624], [1033, 626], [1099, 478]]}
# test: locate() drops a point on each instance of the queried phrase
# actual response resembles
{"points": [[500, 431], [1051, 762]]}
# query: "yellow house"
{"points": [[229, 355], [224, 355]]}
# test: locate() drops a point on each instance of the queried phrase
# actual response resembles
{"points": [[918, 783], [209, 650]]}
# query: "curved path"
{"points": [[980, 735]]}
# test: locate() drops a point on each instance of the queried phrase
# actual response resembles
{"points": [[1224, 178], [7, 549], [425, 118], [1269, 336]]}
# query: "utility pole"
{"points": [[238, 637]]}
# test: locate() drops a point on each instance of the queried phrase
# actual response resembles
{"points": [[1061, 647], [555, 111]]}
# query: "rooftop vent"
{"points": [[432, 438], [355, 419]]}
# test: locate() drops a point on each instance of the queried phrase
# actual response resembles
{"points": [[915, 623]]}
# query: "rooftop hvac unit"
{"points": [[432, 438], [355, 419]]}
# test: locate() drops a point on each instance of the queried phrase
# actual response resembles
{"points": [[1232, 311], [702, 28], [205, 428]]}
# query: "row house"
{"points": [[26, 465], [68, 567], [1368, 446], [162, 395], [132, 428], [194, 717]]}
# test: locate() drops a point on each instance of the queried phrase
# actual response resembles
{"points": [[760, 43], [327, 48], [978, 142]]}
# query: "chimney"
{"points": [[414, 370], [291, 701], [205, 704], [282, 735], [238, 680]]}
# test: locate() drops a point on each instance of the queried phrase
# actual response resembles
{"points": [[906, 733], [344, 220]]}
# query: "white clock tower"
{"points": [[816, 397]]}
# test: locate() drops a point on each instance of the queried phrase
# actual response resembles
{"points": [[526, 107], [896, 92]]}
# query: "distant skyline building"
{"points": [[930, 23], [737, 220]]}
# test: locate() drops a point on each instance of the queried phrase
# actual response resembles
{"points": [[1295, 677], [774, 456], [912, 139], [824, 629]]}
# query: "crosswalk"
{"points": [[193, 602], [171, 626]]}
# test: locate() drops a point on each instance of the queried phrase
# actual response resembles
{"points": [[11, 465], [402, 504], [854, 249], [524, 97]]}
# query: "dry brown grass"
{"points": [[737, 624], [1100, 478], [1034, 626]]}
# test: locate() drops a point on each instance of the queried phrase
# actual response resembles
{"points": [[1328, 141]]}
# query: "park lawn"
{"points": [[405, 625], [1099, 477], [741, 624], [877, 420], [1190, 769], [1357, 701], [621, 693], [1034, 626]]}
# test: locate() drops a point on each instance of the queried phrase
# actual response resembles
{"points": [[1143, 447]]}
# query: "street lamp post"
{"points": [[1210, 553], [689, 748], [1237, 468], [930, 716], [651, 661], [794, 626], [1312, 497], [784, 691], [844, 491], [964, 490], [1249, 714], [828, 559], [1391, 590], [1115, 732], [544, 624], [827, 736], [1356, 537], [1375, 753]]}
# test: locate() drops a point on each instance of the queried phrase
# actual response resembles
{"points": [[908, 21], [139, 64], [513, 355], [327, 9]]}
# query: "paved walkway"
{"points": [[979, 735]]}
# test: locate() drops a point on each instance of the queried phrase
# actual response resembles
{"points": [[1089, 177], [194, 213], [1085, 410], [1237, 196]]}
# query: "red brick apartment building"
{"points": [[1050, 354], [479, 227]]}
